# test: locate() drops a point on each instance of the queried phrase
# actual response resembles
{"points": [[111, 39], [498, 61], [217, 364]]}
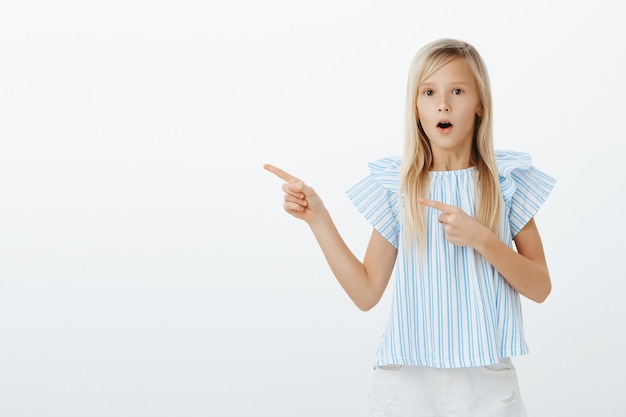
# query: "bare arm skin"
{"points": [[525, 269], [364, 282]]}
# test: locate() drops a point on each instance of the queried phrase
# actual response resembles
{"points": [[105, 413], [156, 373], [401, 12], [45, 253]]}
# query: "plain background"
{"points": [[146, 265]]}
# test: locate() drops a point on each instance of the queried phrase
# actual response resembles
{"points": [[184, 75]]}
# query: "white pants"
{"points": [[416, 391]]}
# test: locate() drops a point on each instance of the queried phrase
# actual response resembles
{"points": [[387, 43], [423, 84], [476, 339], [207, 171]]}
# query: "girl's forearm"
{"points": [[530, 277], [347, 268]]}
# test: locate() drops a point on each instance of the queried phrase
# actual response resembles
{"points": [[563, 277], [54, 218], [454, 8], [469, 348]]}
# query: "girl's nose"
{"points": [[444, 107]]}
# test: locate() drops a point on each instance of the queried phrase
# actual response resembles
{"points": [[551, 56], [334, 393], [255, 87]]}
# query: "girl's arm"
{"points": [[526, 270], [364, 282]]}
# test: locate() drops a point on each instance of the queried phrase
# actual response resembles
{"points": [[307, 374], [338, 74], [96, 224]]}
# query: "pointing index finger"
{"points": [[435, 204], [281, 174]]}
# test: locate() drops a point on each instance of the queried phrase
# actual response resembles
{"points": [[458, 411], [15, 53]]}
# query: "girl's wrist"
{"points": [[321, 219], [483, 238]]}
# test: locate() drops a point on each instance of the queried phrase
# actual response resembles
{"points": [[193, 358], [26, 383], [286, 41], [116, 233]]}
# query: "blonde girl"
{"points": [[455, 220]]}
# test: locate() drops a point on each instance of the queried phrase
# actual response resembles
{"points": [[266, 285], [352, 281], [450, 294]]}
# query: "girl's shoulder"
{"points": [[386, 172], [519, 177], [508, 161], [385, 165]]}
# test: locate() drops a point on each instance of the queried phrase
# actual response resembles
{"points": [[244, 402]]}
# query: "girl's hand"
{"points": [[301, 201], [461, 229]]}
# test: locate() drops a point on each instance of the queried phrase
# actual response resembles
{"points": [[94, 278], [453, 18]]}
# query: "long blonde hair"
{"points": [[417, 158]]}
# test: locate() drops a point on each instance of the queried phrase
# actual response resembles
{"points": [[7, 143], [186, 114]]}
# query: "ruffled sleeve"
{"points": [[376, 197], [524, 187]]}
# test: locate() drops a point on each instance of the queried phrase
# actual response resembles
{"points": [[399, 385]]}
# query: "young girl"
{"points": [[445, 217]]}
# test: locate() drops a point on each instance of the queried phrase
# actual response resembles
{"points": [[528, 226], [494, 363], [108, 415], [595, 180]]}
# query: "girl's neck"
{"points": [[450, 162]]}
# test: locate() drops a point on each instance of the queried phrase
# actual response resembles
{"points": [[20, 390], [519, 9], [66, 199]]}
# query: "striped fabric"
{"points": [[453, 309]]}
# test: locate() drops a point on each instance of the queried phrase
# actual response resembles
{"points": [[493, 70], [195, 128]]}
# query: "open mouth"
{"points": [[444, 125]]}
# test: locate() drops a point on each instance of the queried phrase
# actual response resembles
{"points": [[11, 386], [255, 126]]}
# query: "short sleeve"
{"points": [[376, 197], [524, 188]]}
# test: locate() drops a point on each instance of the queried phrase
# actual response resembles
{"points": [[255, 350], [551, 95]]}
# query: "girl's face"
{"points": [[447, 103]]}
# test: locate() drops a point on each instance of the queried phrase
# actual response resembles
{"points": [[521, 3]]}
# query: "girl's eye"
{"points": [[457, 91], [428, 92]]}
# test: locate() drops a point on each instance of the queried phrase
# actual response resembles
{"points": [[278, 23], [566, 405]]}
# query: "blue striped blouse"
{"points": [[454, 309]]}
